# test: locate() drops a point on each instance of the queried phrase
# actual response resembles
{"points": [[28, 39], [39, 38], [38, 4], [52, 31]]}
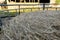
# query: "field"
{"points": [[26, 10], [58, 1], [13, 12]]}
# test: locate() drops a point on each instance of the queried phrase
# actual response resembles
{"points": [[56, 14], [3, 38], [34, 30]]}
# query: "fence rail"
{"points": [[43, 6]]}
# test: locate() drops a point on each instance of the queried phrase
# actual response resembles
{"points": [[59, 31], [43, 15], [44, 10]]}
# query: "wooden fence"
{"points": [[39, 7]]}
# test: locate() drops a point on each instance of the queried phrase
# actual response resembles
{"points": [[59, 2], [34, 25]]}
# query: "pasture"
{"points": [[14, 12], [58, 1]]}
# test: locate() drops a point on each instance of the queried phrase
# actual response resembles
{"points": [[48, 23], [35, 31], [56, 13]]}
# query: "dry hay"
{"points": [[40, 25]]}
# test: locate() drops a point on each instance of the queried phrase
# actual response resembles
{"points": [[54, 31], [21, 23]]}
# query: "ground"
{"points": [[39, 25]]}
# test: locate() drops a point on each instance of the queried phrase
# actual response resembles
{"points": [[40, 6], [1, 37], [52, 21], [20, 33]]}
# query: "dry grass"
{"points": [[39, 25]]}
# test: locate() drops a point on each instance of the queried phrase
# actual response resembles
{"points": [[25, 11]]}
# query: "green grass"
{"points": [[58, 1], [13, 12], [8, 13]]}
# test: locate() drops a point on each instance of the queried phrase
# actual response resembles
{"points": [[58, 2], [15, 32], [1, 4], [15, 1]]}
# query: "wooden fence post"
{"points": [[43, 6], [56, 9], [19, 9]]}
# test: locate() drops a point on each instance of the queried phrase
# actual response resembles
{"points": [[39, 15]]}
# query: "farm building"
{"points": [[31, 1], [27, 2]]}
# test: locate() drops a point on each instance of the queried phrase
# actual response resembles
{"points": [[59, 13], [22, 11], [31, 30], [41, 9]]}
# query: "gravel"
{"points": [[39, 25]]}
